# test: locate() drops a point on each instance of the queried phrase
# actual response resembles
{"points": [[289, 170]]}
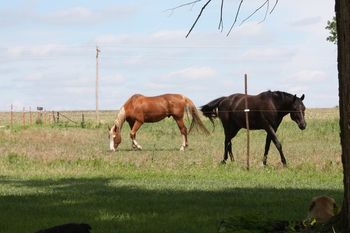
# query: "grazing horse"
{"points": [[266, 111], [140, 109]]}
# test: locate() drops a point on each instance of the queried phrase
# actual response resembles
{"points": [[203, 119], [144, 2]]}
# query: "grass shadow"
{"points": [[111, 205]]}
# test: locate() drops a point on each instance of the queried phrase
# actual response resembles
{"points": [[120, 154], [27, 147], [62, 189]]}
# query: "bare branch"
{"points": [[221, 23], [267, 10], [182, 5], [243, 21], [199, 15], [234, 22], [274, 6]]}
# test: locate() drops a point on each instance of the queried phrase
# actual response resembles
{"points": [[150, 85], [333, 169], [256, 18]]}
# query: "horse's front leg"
{"points": [[133, 131], [183, 131], [272, 134]]}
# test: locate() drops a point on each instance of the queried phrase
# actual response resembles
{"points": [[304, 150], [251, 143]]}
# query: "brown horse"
{"points": [[140, 109]]}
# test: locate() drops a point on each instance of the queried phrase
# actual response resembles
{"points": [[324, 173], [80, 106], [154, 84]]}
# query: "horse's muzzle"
{"points": [[302, 126]]}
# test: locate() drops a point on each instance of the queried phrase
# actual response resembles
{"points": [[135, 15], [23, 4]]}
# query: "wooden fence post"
{"points": [[24, 117], [82, 121], [11, 117], [30, 116], [246, 110], [53, 117], [97, 86]]}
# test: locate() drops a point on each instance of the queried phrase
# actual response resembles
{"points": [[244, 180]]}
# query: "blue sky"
{"points": [[47, 52]]}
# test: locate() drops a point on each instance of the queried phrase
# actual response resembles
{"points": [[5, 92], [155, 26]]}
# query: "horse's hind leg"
{"points": [[228, 150], [183, 131], [133, 131], [229, 134]]}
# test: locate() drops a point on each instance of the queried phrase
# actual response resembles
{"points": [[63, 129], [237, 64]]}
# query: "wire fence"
{"points": [[28, 118], [17, 117]]}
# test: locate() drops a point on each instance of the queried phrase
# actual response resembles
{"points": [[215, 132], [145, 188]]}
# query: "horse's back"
{"points": [[234, 102], [258, 102], [134, 98], [154, 108], [168, 97], [232, 110]]}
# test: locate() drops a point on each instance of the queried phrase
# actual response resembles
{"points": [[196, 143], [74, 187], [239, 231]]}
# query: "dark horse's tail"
{"points": [[210, 109], [196, 120]]}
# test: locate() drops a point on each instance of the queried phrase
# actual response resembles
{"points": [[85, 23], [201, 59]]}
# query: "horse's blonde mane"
{"points": [[119, 121]]}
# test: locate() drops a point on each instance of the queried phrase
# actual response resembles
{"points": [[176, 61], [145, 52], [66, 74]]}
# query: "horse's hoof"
{"points": [[136, 147], [223, 162], [182, 148]]}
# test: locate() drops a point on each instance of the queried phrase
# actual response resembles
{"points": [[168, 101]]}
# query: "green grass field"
{"points": [[52, 175]]}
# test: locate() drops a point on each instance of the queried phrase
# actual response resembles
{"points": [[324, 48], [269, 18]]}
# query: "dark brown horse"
{"points": [[266, 112], [140, 109]]}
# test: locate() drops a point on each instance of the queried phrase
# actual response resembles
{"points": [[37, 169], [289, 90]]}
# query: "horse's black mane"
{"points": [[281, 95]]}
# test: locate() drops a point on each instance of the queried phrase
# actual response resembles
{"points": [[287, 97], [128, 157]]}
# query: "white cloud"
{"points": [[111, 80], [70, 15], [161, 86], [78, 90], [307, 76], [268, 54], [168, 35], [249, 29], [45, 50], [35, 76], [77, 14], [304, 22], [192, 73], [170, 38], [85, 15], [298, 89]]}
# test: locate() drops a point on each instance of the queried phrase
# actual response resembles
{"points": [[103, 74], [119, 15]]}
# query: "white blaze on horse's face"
{"points": [[111, 139], [114, 138], [111, 144]]}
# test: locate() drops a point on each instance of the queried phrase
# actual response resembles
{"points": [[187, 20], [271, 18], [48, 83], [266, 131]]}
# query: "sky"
{"points": [[48, 51]]}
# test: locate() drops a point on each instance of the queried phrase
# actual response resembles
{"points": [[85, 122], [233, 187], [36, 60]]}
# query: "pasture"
{"points": [[52, 175]]}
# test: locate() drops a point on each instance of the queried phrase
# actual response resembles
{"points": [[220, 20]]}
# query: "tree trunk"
{"points": [[342, 8]]}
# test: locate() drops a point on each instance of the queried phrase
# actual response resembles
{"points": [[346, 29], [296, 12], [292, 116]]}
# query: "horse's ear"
{"points": [[302, 97], [294, 98]]}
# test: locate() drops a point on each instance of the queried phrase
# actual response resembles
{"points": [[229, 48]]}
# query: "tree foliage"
{"points": [[332, 27]]}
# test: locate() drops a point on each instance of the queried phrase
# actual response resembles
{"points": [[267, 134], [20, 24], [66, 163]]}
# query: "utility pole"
{"points": [[97, 88]]}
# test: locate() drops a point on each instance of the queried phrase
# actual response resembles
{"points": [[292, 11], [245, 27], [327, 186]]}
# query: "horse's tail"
{"points": [[210, 110], [196, 120]]}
